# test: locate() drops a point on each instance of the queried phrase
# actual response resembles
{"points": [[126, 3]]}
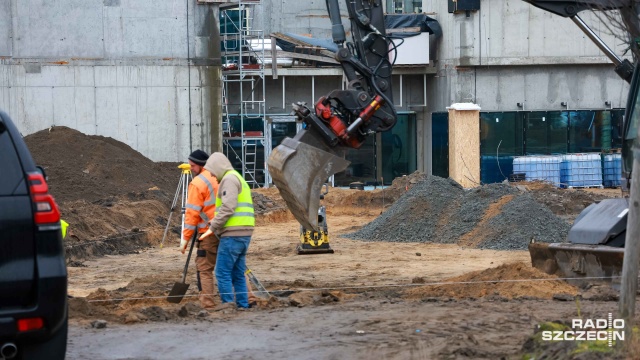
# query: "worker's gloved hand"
{"points": [[206, 233], [183, 245]]}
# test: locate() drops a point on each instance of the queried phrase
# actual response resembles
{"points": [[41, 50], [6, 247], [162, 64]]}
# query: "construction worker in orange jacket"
{"points": [[200, 209]]}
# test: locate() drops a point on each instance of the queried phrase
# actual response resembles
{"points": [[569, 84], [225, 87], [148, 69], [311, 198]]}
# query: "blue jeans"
{"points": [[230, 268]]}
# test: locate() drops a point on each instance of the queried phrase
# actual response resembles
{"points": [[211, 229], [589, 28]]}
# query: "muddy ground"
{"points": [[367, 298], [364, 328], [370, 299]]}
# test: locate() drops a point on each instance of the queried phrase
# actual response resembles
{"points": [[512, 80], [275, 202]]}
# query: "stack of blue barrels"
{"points": [[581, 170], [612, 165]]}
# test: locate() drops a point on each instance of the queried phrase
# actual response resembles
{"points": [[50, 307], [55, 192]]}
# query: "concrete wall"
{"points": [[512, 32], [510, 52], [115, 68]]}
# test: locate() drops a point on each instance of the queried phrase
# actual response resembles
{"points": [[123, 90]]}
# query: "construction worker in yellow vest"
{"points": [[200, 209], [233, 223]]}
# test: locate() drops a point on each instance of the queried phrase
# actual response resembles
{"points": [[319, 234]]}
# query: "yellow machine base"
{"points": [[312, 242]]}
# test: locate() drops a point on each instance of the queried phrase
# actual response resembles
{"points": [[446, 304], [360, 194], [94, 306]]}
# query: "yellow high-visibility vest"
{"points": [[243, 214], [63, 226]]}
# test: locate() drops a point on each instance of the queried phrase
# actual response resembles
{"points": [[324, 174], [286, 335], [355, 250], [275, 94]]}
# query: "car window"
{"points": [[10, 168]]}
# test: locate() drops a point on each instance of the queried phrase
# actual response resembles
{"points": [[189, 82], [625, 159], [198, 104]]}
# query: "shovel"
{"points": [[180, 288], [262, 292]]}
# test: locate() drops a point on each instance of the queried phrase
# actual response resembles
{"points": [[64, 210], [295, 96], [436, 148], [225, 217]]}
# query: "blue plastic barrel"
{"points": [[539, 168], [581, 170], [612, 170]]}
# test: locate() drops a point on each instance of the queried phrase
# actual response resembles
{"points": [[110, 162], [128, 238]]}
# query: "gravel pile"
{"points": [[521, 220], [464, 217], [414, 216], [495, 216]]}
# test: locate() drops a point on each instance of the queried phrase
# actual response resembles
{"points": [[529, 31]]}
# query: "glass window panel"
{"points": [[546, 132], [501, 133], [399, 6], [417, 6], [362, 167], [398, 148], [586, 130], [440, 144], [281, 130], [250, 124], [606, 129], [617, 126], [500, 141]]}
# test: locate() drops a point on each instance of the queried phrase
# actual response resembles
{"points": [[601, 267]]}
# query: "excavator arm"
{"points": [[341, 119], [571, 8]]}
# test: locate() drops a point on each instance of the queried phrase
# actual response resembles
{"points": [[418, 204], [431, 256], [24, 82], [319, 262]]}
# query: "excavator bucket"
{"points": [[299, 167], [578, 262]]}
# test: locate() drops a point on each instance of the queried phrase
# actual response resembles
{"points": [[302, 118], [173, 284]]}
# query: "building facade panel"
{"points": [[6, 38]]}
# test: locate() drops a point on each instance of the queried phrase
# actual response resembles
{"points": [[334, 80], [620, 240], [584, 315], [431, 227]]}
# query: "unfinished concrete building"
{"points": [[148, 74]]}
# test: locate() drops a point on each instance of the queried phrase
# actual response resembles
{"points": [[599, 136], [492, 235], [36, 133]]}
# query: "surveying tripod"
{"points": [[181, 191]]}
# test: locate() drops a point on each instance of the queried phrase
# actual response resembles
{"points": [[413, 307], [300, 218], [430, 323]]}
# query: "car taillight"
{"points": [[45, 208], [30, 324]]}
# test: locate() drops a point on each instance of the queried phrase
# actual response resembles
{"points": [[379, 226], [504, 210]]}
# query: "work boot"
{"points": [[210, 308], [225, 306], [206, 301]]}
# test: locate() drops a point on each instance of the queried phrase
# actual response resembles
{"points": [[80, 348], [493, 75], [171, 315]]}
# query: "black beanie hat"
{"points": [[199, 157]]}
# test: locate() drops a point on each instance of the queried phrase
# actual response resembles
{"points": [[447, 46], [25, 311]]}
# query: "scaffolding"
{"points": [[246, 132]]}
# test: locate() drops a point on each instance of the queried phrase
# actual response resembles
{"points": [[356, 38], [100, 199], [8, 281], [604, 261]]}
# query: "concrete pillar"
{"points": [[464, 144]]}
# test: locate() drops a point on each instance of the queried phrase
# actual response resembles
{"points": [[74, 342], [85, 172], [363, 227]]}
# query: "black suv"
{"points": [[33, 275]]}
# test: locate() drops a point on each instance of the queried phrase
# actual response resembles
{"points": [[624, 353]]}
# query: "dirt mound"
{"points": [[507, 281], [566, 202], [144, 298], [440, 210], [83, 309], [90, 168], [113, 215], [381, 197], [263, 204], [114, 198]]}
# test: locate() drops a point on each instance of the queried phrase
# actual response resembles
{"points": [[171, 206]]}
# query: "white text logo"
{"points": [[609, 330]]}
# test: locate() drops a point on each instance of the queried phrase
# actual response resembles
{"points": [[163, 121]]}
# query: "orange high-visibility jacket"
{"points": [[201, 204]]}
